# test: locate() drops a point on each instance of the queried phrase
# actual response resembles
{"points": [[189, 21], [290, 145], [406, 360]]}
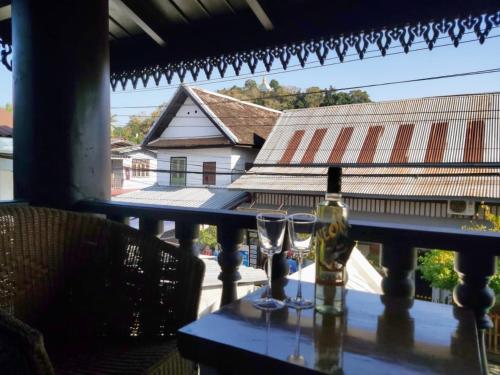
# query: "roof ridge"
{"points": [[236, 100], [393, 101]]}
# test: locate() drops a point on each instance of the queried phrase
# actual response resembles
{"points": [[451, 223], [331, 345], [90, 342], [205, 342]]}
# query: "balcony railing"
{"points": [[475, 259]]}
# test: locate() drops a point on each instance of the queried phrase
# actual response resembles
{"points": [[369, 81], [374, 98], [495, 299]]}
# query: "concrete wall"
{"points": [[6, 179]]}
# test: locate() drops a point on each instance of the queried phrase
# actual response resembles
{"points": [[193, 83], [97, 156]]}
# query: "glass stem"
{"points": [[299, 288], [269, 275], [297, 334]]}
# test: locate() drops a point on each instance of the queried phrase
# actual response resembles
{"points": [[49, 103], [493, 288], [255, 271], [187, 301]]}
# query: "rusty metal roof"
{"points": [[432, 183], [446, 130]]}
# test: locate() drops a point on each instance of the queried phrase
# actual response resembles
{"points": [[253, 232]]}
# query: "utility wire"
{"points": [[278, 70]]}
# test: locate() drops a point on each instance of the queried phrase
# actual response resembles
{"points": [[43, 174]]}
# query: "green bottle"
{"points": [[332, 248]]}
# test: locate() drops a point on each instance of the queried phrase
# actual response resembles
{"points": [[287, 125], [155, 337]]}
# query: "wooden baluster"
{"points": [[119, 219], [151, 226], [474, 272], [229, 259], [187, 234], [280, 263], [399, 261]]}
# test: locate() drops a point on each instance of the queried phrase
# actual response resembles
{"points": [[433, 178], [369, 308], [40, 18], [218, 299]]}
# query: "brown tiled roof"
{"points": [[6, 122], [244, 120], [241, 123]]}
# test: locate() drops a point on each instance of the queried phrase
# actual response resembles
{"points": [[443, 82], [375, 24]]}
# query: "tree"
{"points": [[7, 107], [137, 126], [437, 268], [208, 236], [289, 97]]}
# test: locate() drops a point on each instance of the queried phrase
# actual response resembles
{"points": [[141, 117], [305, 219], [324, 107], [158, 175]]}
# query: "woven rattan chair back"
{"points": [[85, 275]]}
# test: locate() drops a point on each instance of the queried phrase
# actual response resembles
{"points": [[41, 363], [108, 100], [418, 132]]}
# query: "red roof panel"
{"points": [[293, 144], [402, 144], [313, 147], [474, 142], [341, 145], [369, 147]]}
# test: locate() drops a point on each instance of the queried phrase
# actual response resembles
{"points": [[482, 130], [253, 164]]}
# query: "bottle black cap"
{"points": [[334, 182]]}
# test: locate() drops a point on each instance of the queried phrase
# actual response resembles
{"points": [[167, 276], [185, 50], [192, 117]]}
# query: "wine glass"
{"points": [[301, 231], [271, 230]]}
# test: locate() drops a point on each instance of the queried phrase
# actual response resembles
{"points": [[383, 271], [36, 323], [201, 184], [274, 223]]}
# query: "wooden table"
{"points": [[378, 335]]}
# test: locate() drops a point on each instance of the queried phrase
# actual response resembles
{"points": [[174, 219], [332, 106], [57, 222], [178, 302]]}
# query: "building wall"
{"points": [[6, 179], [190, 122], [194, 163], [131, 180], [228, 160], [239, 157], [435, 209]]}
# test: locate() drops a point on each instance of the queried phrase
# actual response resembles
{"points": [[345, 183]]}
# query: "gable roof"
{"points": [[240, 123], [446, 130], [6, 123]]}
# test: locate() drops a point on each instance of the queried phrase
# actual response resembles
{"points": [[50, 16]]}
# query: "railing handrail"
{"points": [[431, 237]]}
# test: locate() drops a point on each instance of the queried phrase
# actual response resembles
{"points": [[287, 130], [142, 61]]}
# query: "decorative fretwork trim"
{"points": [[321, 48], [339, 45], [5, 52]]}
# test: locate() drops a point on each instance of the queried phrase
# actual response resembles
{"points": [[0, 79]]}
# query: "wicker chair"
{"points": [[107, 298]]}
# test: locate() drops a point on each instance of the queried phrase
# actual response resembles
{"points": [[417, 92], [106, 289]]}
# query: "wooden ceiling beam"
{"points": [[261, 14], [139, 21], [5, 12]]}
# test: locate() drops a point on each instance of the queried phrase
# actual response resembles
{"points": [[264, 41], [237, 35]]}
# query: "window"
{"points": [[140, 168], [178, 171], [209, 169]]}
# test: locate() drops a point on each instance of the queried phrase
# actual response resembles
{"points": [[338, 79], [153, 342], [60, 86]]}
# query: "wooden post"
{"points": [[474, 270], [119, 219], [187, 234], [61, 96], [151, 226], [280, 263], [229, 260], [399, 261]]}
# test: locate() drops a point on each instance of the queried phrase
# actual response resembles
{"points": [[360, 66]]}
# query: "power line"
{"points": [[276, 71], [421, 79]]}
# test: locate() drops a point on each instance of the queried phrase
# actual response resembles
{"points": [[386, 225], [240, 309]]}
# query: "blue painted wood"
{"points": [[363, 230]]}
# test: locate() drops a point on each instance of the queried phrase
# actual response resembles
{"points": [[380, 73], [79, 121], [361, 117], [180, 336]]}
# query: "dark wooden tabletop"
{"points": [[377, 335]]}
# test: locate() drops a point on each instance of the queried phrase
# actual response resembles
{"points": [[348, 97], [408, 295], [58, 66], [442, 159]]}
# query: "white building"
{"points": [[203, 142], [6, 168], [132, 168], [201, 132]]}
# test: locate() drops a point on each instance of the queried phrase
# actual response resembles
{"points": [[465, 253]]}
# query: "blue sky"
{"points": [[445, 60]]}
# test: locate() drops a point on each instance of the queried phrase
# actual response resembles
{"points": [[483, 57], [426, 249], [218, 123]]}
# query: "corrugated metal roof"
{"points": [[448, 130], [214, 198], [483, 183]]}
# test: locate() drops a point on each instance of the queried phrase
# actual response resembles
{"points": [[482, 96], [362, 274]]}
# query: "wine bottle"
{"points": [[333, 248]]}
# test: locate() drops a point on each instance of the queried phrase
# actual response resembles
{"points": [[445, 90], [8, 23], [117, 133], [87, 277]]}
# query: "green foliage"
{"points": [[7, 107], [491, 222], [437, 265], [289, 97], [136, 128], [208, 236]]}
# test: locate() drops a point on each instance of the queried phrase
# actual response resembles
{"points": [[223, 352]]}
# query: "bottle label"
{"points": [[332, 239]]}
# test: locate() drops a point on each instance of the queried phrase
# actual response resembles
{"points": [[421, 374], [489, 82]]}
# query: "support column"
{"points": [[399, 261], [151, 226], [187, 234], [280, 263], [61, 101], [229, 260], [474, 272]]}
